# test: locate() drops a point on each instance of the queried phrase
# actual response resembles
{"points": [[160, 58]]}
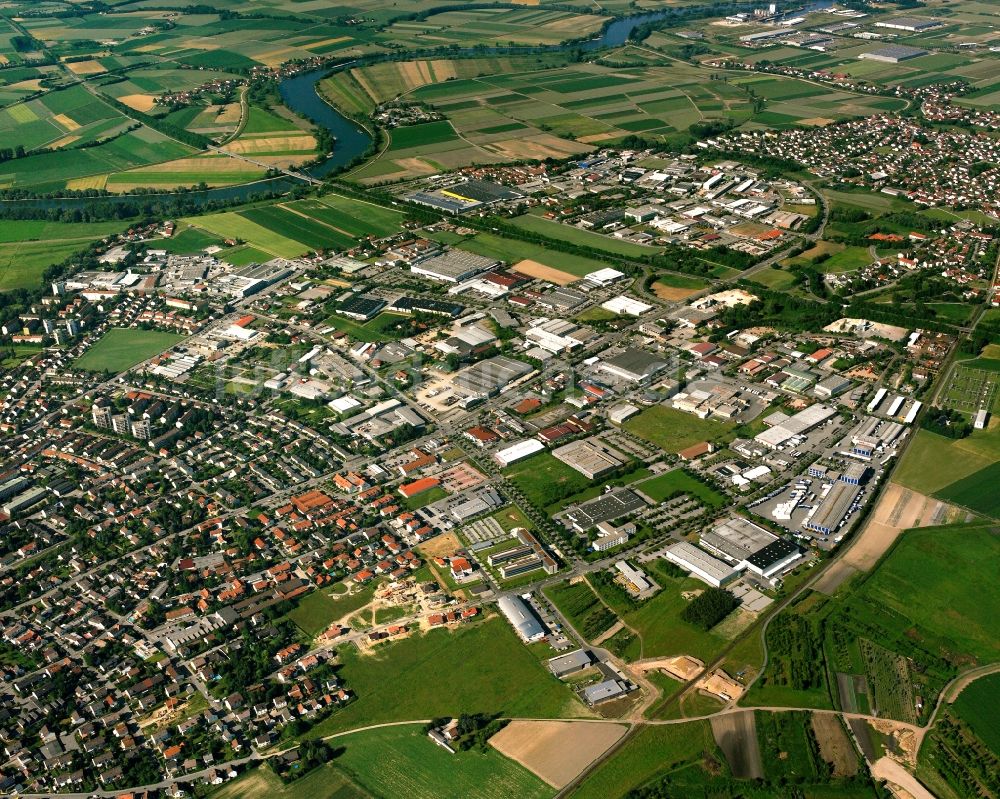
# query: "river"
{"points": [[299, 93]]}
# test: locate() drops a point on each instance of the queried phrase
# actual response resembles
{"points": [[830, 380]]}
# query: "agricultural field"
{"points": [[122, 348], [403, 761], [976, 706], [651, 751], [672, 430], [977, 492], [29, 247], [498, 675], [498, 26], [928, 602], [326, 782], [933, 462]]}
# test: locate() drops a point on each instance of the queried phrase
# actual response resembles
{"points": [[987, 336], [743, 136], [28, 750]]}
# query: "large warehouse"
{"points": [[590, 458], [787, 428], [522, 618], [701, 565], [518, 452]]}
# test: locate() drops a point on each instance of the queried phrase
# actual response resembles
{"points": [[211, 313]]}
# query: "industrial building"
{"points": [[787, 427], [830, 512], [606, 508], [736, 539], [636, 366], [518, 452], [912, 24], [409, 305], [775, 558], [570, 663], [590, 457], [491, 376], [522, 618], [700, 564], [361, 307], [453, 266], [893, 54]]}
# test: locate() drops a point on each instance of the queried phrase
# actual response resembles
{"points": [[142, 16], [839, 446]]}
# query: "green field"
{"points": [[658, 623], [976, 492], [932, 462], [651, 751], [29, 247], [581, 606], [678, 480], [379, 328], [326, 782], [575, 235], [403, 680], [403, 761], [234, 225], [122, 348], [546, 480], [977, 706], [672, 430]]}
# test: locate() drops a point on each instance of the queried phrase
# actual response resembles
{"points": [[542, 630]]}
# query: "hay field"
{"points": [[556, 751]]}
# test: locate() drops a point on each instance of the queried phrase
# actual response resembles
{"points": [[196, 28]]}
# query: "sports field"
{"points": [[122, 348]]}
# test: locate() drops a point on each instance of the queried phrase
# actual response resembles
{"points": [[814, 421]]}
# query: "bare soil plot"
{"points": [[556, 751], [543, 272], [736, 735], [834, 745], [681, 667], [885, 768], [671, 293], [86, 67], [441, 546]]}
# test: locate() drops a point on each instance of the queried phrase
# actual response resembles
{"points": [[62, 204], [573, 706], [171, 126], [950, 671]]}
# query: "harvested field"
{"points": [[556, 751], [537, 147], [736, 735], [91, 182], [65, 141], [65, 122], [229, 114], [271, 144], [817, 121], [834, 745], [86, 67], [543, 272], [899, 509], [139, 102], [672, 294]]}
